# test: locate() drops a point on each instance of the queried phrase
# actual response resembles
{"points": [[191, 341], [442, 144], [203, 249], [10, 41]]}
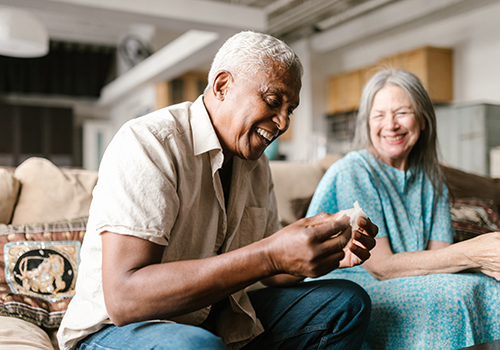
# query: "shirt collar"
{"points": [[204, 136]]}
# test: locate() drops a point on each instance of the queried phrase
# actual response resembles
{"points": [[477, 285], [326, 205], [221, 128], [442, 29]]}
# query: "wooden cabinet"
{"points": [[185, 88], [344, 91], [432, 65]]}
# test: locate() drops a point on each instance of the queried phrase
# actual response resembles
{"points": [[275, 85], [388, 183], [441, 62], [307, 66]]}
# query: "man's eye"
{"points": [[272, 102]]}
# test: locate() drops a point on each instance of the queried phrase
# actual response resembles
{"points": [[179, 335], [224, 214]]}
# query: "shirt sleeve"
{"points": [[346, 181], [136, 190]]}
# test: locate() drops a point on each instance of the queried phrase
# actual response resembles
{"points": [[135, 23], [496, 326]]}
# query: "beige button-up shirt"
{"points": [[158, 181]]}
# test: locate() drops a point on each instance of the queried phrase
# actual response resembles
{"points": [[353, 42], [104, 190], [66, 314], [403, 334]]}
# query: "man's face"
{"points": [[255, 111]]}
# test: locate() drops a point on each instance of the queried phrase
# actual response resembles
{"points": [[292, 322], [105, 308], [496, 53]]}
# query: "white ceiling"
{"points": [[329, 23], [107, 21]]}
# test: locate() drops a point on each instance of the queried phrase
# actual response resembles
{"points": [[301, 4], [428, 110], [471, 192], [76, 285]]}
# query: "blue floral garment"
{"points": [[439, 311]]}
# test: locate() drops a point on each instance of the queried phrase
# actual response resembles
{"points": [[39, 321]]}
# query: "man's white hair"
{"points": [[249, 52]]}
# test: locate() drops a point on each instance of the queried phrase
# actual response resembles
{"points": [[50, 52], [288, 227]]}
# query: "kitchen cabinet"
{"points": [[432, 65]]}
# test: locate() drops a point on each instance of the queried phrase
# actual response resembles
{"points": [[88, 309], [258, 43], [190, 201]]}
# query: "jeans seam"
{"points": [[310, 329], [94, 346]]}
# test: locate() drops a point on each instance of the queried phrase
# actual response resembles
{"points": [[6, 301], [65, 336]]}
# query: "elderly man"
{"points": [[184, 219]]}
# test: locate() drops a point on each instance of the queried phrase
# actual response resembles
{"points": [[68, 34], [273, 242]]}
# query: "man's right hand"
{"points": [[310, 247]]}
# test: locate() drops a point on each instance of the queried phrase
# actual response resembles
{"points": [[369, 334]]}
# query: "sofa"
{"points": [[43, 216], [474, 199]]}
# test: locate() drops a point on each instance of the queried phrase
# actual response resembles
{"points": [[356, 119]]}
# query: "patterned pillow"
{"points": [[472, 217], [38, 269]]}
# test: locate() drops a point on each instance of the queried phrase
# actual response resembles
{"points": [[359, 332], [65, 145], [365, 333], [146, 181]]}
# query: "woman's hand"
{"points": [[484, 253]]}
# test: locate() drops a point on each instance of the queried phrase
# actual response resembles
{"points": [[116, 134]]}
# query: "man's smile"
{"points": [[265, 134]]}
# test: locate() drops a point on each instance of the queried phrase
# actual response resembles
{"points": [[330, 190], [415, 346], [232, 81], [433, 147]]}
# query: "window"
{"points": [[32, 131]]}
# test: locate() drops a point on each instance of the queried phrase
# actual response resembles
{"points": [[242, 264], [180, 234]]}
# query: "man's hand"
{"points": [[362, 241], [310, 247]]}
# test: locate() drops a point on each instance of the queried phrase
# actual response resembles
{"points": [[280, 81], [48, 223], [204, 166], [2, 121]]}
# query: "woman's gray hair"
{"points": [[425, 151], [248, 52]]}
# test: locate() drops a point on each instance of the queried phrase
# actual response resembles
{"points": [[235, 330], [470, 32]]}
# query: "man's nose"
{"points": [[282, 120]]}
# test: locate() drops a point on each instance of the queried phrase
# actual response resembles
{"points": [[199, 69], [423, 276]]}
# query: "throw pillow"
{"points": [[38, 269], [67, 192], [473, 216], [293, 180], [9, 189]]}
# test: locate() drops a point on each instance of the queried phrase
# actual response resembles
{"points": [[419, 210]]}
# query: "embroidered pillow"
{"points": [[472, 217], [38, 269]]}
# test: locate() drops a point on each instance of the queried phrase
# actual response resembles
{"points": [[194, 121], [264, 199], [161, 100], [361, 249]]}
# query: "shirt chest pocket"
{"points": [[252, 226]]}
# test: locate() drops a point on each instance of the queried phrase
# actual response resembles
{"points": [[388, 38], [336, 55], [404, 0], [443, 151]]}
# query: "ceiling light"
{"points": [[22, 34]]}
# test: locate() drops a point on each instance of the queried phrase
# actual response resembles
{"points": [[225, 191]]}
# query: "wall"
{"points": [[473, 35], [97, 133]]}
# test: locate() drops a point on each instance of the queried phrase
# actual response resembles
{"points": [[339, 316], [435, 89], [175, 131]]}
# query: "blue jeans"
{"points": [[331, 314]]}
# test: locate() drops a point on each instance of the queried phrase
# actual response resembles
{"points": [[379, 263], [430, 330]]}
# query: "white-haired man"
{"points": [[184, 218]]}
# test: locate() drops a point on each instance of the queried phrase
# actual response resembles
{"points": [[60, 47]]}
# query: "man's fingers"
{"points": [[329, 264], [326, 226], [362, 253], [363, 240], [366, 226]]}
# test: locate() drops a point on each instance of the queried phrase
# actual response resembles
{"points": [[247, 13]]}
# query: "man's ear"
{"points": [[221, 84]]}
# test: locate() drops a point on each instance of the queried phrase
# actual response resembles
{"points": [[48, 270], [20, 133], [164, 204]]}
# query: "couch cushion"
{"points": [[466, 185], [17, 334], [38, 269], [9, 190], [293, 180], [49, 193]]}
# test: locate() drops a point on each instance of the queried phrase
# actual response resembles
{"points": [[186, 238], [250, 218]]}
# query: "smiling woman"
{"points": [[418, 298]]}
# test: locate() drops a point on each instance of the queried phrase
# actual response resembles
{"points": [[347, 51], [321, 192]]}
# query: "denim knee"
{"points": [[153, 335]]}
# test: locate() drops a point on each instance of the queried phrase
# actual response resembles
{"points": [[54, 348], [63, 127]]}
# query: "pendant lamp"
{"points": [[22, 34]]}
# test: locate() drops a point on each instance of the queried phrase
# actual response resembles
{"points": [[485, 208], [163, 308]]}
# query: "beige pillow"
{"points": [[17, 334], [49, 193], [9, 189], [293, 180]]}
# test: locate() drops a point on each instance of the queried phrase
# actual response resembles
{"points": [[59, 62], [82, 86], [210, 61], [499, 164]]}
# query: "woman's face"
{"points": [[394, 128]]}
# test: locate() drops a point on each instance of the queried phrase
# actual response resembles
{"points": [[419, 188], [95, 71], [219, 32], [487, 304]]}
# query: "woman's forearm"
{"points": [[385, 265]]}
